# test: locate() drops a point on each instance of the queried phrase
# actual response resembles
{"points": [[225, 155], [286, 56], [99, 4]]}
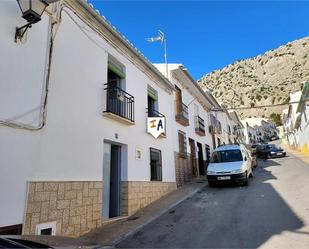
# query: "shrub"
{"points": [[276, 118], [273, 100], [287, 100]]}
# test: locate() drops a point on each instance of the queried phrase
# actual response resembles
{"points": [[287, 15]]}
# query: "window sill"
{"points": [[118, 118]]}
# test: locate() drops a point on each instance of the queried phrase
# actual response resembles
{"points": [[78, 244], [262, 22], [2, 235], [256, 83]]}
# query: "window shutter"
{"points": [[116, 67], [152, 93]]}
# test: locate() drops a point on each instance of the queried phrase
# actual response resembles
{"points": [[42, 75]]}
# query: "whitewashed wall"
{"points": [[22, 70], [190, 100], [70, 146]]}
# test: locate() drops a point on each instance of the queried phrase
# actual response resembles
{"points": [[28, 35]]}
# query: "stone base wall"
{"points": [[75, 206], [186, 168], [136, 195]]}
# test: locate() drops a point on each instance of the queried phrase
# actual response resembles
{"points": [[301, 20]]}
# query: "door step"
{"points": [[113, 220]]}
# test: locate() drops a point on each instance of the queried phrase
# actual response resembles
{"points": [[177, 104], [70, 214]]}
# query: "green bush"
{"points": [[276, 118]]}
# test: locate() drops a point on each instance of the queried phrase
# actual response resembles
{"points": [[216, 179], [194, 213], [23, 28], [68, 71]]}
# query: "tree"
{"points": [[276, 118]]}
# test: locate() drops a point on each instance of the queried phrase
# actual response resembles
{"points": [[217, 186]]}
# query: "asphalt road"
{"points": [[273, 212]]}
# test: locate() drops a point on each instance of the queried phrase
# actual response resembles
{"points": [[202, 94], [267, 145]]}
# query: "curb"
{"points": [[138, 228]]}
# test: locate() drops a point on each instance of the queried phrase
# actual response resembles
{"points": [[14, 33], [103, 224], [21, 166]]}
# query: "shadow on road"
{"points": [[230, 217]]}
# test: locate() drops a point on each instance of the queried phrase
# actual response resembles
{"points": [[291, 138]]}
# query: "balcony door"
{"points": [[116, 95], [152, 99], [178, 97]]}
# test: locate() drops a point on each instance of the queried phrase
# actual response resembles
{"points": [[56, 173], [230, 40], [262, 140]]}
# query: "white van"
{"points": [[230, 163]]}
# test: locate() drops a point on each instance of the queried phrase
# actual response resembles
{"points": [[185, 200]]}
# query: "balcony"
{"points": [[154, 114], [182, 115], [119, 104], [212, 129], [199, 126]]}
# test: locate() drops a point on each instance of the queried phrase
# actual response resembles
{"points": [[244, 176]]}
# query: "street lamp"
{"points": [[32, 11]]}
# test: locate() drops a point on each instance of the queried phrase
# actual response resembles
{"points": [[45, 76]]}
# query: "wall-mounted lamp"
{"points": [[32, 11]]}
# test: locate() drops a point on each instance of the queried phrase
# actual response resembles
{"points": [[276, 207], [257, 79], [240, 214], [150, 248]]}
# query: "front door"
{"points": [[200, 159], [193, 157], [111, 180]]}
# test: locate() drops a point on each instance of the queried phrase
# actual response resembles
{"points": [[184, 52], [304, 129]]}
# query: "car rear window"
{"points": [[226, 156]]}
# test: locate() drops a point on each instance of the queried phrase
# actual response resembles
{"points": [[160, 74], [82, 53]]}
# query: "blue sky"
{"points": [[207, 35]]}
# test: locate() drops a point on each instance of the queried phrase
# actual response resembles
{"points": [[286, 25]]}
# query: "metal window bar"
{"points": [[199, 124], [152, 113], [119, 102], [182, 110]]}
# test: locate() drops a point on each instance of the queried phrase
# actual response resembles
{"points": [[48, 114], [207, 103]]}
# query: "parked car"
{"points": [[262, 151], [252, 150], [270, 151], [253, 155], [275, 151], [273, 138], [19, 242], [230, 163]]}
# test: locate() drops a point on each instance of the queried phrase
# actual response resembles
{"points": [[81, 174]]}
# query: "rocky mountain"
{"points": [[263, 80]]}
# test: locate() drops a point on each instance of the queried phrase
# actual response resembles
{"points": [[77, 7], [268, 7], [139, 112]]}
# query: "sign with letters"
{"points": [[156, 126]]}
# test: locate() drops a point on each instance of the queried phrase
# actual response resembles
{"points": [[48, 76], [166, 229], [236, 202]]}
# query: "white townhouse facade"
{"points": [[192, 144], [258, 130], [74, 110], [295, 120], [238, 129]]}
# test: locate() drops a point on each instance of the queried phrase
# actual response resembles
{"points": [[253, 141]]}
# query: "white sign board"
{"points": [[156, 126]]}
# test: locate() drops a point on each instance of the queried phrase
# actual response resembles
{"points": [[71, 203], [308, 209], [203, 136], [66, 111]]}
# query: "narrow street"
{"points": [[273, 212]]}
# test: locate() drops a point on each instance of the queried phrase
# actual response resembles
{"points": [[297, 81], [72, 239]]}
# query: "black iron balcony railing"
{"points": [[154, 114], [199, 126], [119, 102], [182, 115]]}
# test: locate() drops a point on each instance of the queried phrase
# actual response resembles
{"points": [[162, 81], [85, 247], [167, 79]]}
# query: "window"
{"points": [[116, 72], [118, 101], [226, 156], [152, 102], [156, 165], [182, 140]]}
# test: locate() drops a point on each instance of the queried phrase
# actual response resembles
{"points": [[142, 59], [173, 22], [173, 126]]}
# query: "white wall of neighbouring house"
{"points": [[70, 145], [191, 101], [303, 130]]}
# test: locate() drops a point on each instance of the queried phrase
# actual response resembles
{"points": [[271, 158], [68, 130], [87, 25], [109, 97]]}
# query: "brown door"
{"points": [[193, 157]]}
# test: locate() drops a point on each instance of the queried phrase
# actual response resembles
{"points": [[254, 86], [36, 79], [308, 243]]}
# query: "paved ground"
{"points": [[111, 234], [273, 212]]}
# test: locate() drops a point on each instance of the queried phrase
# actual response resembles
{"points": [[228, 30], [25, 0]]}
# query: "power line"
{"points": [[259, 106]]}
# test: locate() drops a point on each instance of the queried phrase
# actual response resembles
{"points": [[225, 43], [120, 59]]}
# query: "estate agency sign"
{"points": [[156, 126]]}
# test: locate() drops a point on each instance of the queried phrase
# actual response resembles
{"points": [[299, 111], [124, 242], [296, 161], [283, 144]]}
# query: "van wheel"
{"points": [[246, 181]]}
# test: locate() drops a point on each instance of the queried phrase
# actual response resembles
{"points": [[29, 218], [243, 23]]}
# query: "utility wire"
{"points": [[258, 106]]}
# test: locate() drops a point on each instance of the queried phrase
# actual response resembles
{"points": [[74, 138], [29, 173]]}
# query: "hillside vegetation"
{"points": [[263, 80]]}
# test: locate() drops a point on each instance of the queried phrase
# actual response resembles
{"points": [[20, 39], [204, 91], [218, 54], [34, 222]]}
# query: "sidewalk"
{"points": [[300, 155], [112, 234]]}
